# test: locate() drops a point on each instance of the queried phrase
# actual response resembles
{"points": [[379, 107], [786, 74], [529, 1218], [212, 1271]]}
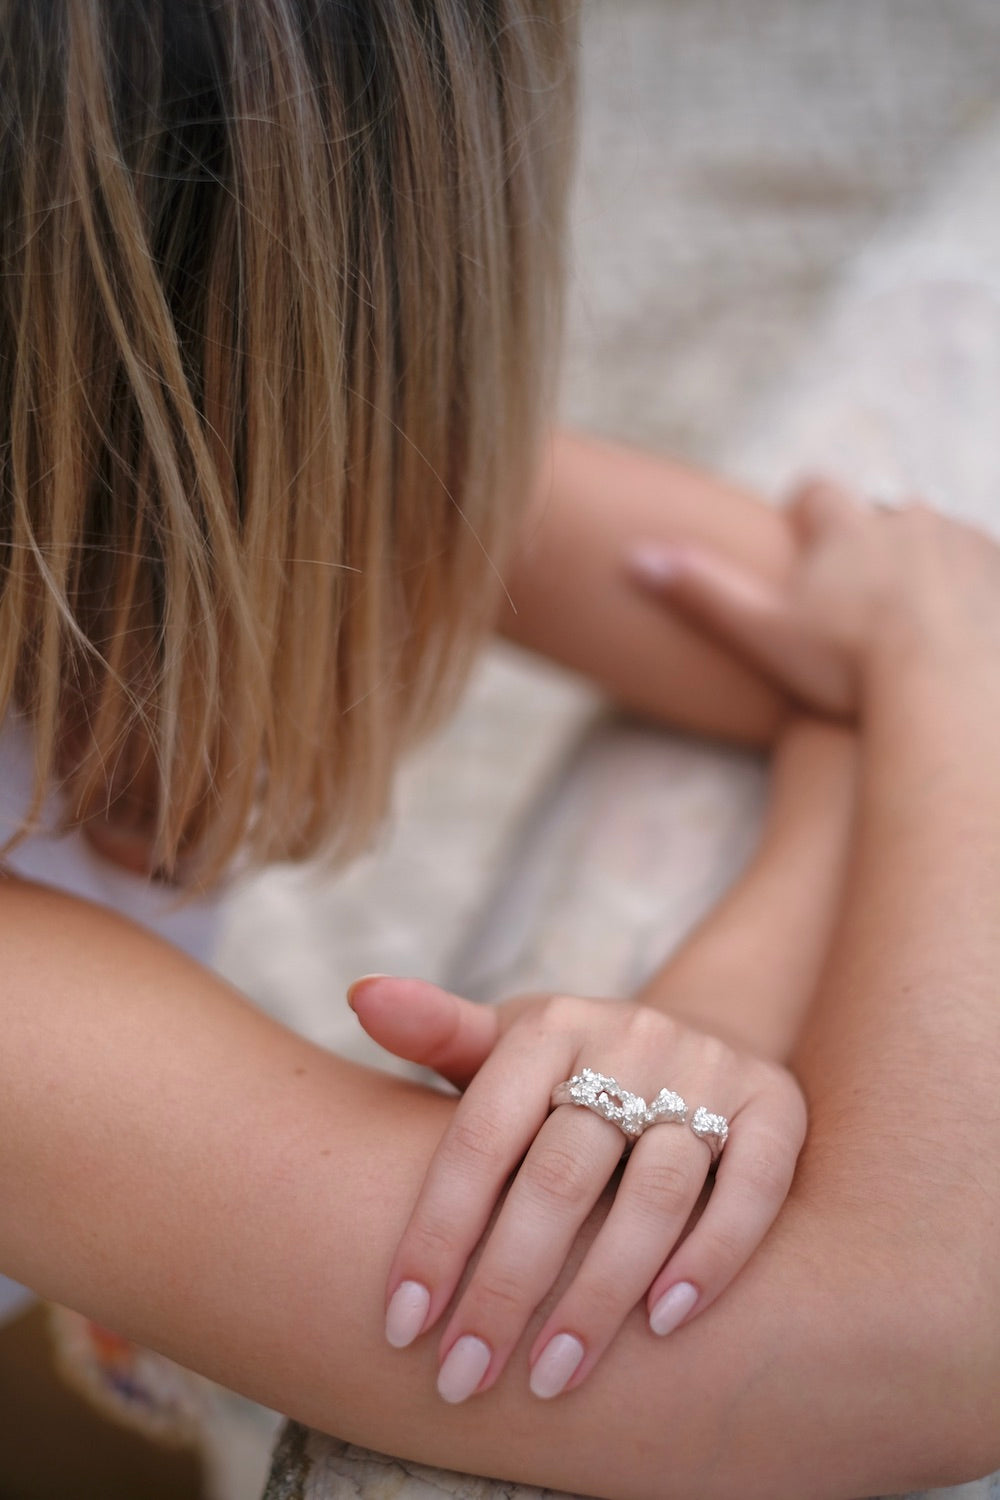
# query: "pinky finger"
{"points": [[755, 1173]]}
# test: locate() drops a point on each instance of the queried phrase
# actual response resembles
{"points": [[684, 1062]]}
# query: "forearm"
{"points": [[571, 598], [183, 1169], [189, 1173], [750, 970], [914, 969], [899, 1056]]}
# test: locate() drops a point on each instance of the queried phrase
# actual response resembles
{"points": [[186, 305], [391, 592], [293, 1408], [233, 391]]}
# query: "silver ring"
{"points": [[605, 1096], [712, 1129]]}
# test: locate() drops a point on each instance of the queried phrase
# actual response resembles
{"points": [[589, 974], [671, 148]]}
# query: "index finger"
{"points": [[502, 1111]]}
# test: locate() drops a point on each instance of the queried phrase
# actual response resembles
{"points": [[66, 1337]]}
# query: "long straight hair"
{"points": [[280, 287]]}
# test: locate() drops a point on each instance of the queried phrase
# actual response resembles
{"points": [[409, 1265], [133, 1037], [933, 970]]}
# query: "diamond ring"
{"points": [[630, 1112]]}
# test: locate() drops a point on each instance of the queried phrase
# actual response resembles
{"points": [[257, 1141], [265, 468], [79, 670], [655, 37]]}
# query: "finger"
{"points": [[502, 1111], [752, 616], [661, 1185], [815, 505], [425, 1024], [754, 1175], [560, 1180], [731, 601], [726, 592]]}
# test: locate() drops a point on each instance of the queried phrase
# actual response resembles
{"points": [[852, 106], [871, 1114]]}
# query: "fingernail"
{"points": [[673, 1307], [654, 564], [357, 983], [406, 1313], [555, 1366], [467, 1363]]}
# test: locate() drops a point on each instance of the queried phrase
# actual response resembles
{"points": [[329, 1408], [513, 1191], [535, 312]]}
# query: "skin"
{"points": [[233, 1195], [571, 597], [792, 885], [568, 1157]]}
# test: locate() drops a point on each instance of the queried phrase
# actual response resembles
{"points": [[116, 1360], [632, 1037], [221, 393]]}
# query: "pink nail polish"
{"points": [[467, 1363], [653, 564], [356, 984], [555, 1366], [406, 1313], [673, 1307]]}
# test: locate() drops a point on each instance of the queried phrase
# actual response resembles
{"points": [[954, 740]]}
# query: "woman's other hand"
{"points": [[873, 589], [510, 1059]]}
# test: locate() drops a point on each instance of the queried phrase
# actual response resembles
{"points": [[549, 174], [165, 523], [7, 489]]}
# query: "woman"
{"points": [[274, 343]]}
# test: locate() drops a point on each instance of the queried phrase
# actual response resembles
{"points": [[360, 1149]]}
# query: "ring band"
{"points": [[605, 1096], [712, 1129]]}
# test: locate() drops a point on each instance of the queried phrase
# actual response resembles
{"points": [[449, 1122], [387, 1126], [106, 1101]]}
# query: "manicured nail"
{"points": [[406, 1313], [673, 1307], [357, 983], [467, 1363], [555, 1366], [653, 564]]}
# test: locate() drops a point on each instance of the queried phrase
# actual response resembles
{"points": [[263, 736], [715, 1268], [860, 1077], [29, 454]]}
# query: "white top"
{"points": [[69, 862]]}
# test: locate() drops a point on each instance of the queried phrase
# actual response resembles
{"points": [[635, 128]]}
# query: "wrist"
{"points": [[928, 677]]}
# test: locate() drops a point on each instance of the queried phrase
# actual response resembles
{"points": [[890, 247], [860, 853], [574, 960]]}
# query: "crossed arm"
{"points": [[187, 1171], [571, 597]]}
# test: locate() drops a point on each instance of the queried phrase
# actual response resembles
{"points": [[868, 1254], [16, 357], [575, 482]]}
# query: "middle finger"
{"points": [[564, 1173], [666, 1174]]}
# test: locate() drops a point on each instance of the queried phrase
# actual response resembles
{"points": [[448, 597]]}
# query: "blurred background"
{"points": [[735, 156], [739, 161]]}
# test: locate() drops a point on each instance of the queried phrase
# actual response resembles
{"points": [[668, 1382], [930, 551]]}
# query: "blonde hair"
{"points": [[279, 298]]}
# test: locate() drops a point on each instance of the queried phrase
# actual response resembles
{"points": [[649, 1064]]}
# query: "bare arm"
{"points": [[749, 971], [575, 603], [167, 1167]]}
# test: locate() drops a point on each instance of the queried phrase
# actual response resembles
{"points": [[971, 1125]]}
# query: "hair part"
{"points": [[280, 299]]}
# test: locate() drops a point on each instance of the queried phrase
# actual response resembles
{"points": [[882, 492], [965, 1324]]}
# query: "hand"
{"points": [[511, 1058], [871, 586]]}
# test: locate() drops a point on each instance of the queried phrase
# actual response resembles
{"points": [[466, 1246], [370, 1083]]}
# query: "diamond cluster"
{"points": [[630, 1112]]}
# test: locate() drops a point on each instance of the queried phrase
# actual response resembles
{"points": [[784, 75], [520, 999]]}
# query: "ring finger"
{"points": [[662, 1183]]}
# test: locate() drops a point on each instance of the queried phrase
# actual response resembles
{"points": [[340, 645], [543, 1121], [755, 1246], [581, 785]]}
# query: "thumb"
{"points": [[425, 1024]]}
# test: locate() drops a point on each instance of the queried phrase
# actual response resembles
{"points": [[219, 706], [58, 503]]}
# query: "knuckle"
{"points": [[806, 490], [558, 1014], [476, 1136], [766, 1172], [725, 1252], [559, 1005], [715, 1053], [788, 1093], [601, 1295], [497, 1295], [432, 1239], [563, 1013], [651, 1028], [665, 1191], [777, 1084], [553, 1174]]}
